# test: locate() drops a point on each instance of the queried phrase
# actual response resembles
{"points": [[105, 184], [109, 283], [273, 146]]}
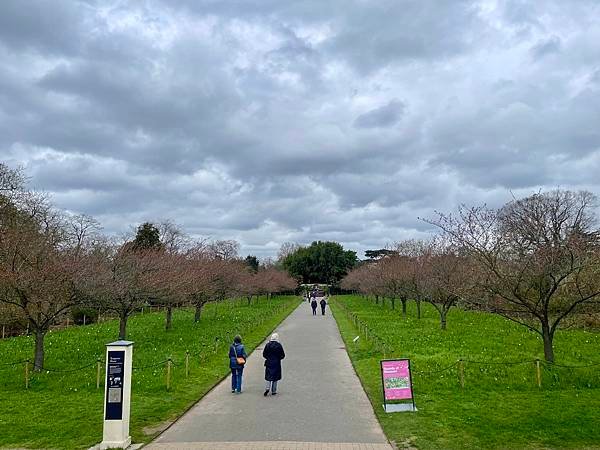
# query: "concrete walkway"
{"points": [[320, 402]]}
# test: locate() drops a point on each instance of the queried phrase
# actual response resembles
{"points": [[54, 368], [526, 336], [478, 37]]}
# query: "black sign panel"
{"points": [[114, 385]]}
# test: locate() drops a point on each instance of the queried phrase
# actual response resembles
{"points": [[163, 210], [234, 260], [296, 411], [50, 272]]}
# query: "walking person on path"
{"points": [[237, 359], [313, 305], [323, 303], [273, 354]]}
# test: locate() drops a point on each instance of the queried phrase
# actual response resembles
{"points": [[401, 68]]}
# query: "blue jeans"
{"points": [[236, 379]]}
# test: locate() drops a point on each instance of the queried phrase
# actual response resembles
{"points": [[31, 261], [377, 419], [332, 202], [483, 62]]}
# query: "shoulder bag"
{"points": [[240, 359]]}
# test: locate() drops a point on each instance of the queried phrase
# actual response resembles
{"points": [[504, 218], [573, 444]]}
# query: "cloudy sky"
{"points": [[269, 121]]}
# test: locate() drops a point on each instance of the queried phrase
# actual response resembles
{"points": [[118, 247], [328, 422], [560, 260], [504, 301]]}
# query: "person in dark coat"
{"points": [[273, 354], [323, 303], [313, 305], [236, 350]]}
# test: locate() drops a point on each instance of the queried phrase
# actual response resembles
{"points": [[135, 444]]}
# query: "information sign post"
{"points": [[396, 382], [117, 395]]}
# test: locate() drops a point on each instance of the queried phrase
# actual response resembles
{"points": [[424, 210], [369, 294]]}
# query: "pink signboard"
{"points": [[396, 379]]}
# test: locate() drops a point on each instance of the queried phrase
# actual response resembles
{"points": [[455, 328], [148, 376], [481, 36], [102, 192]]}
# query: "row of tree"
{"points": [[535, 261], [51, 262]]}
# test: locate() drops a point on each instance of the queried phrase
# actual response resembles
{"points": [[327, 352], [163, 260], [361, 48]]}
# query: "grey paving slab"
{"points": [[320, 398]]}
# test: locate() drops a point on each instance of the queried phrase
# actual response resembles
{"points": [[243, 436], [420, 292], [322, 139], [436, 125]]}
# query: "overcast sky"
{"points": [[269, 121]]}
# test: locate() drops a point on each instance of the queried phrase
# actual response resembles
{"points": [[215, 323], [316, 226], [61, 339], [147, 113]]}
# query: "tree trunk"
{"points": [[38, 361], [418, 302], [249, 297], [377, 299], [198, 312], [169, 321], [548, 337], [443, 320], [403, 300], [393, 302], [123, 327]]}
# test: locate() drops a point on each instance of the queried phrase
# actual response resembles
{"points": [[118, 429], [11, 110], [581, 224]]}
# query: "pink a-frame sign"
{"points": [[396, 381]]}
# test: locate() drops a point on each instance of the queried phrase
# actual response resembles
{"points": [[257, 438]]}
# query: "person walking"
{"points": [[273, 354], [313, 305], [323, 303], [237, 359]]}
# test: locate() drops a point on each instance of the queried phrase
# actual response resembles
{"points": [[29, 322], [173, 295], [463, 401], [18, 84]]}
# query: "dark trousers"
{"points": [[322, 310], [314, 311]]}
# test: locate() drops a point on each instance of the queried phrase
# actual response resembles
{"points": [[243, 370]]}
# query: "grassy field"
{"points": [[501, 406], [64, 410]]}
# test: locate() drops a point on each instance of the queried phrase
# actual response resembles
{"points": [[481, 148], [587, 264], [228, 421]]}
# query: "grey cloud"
{"points": [[384, 116], [269, 121], [546, 47], [42, 26]]}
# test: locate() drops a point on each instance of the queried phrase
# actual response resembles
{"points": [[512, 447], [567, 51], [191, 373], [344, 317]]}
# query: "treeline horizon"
{"points": [[52, 262], [534, 260]]}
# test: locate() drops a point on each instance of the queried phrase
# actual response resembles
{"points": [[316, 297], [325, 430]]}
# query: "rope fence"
{"points": [[202, 354], [382, 346]]}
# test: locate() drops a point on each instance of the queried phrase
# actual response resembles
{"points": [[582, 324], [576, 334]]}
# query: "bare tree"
{"points": [[271, 280], [415, 254], [537, 257], [223, 249], [124, 279], [396, 273], [175, 271], [286, 249], [82, 230], [38, 270], [173, 238], [11, 180], [211, 278], [445, 277]]}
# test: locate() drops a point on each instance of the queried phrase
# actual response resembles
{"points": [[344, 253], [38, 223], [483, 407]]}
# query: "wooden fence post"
{"points": [[98, 369], [538, 372], [187, 363], [169, 363], [26, 374], [461, 372]]}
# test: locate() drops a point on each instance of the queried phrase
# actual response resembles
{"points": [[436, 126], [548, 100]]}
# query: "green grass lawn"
{"points": [[64, 410], [501, 406]]}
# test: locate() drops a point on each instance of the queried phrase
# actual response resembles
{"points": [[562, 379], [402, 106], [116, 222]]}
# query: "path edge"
{"points": [[220, 380], [391, 443]]}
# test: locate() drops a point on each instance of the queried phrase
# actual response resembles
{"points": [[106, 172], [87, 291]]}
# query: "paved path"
{"points": [[320, 400]]}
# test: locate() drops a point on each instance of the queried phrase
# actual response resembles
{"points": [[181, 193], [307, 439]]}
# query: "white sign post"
{"points": [[117, 395]]}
